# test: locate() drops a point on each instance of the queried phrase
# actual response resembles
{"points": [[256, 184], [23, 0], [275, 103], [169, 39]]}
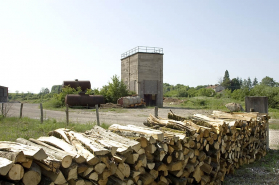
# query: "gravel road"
{"points": [[134, 116]]}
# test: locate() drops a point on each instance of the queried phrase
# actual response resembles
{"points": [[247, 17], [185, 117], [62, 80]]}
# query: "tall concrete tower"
{"points": [[142, 72]]}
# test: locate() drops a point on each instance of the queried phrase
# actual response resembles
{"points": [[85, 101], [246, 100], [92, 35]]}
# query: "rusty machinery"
{"points": [[82, 99]]}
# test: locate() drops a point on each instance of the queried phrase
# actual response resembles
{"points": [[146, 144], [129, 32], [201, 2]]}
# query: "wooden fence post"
{"points": [[2, 109], [20, 111], [97, 114], [156, 112], [67, 114], [42, 114]]}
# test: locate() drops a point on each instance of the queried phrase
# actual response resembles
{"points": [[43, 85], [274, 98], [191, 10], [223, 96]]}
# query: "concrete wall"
{"points": [[3, 94], [151, 75], [143, 73], [129, 72], [257, 103]]}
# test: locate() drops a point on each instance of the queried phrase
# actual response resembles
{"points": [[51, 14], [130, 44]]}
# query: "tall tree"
{"points": [[235, 84], [114, 90], [255, 82], [268, 81], [249, 83], [46, 91], [244, 84], [226, 80]]}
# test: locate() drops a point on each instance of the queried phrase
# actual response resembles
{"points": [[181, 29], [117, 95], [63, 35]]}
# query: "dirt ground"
{"points": [[124, 116], [134, 116]]}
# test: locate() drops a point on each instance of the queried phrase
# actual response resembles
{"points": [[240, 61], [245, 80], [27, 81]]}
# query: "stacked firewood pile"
{"points": [[68, 157], [221, 143], [196, 150]]}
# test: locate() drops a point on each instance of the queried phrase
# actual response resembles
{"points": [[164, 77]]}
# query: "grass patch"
{"points": [[142, 115], [264, 171], [274, 126], [211, 103], [273, 113], [117, 110], [12, 128], [52, 105]]}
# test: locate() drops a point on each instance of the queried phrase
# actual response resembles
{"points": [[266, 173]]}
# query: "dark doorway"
{"points": [[150, 99]]}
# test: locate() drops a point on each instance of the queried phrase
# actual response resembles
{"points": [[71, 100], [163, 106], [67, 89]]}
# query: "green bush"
{"points": [[206, 92], [58, 100], [114, 90]]}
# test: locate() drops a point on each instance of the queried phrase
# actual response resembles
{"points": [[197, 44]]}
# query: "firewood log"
{"points": [[60, 133], [99, 168], [149, 133], [66, 159], [15, 157], [115, 181], [16, 172], [62, 145], [33, 175], [27, 164], [146, 178], [91, 159], [30, 151], [76, 182], [5, 166], [70, 172], [56, 177], [96, 148], [125, 169], [112, 136]]}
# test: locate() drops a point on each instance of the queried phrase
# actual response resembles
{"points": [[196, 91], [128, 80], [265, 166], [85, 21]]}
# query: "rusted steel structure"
{"points": [[82, 99], [84, 85], [4, 94]]}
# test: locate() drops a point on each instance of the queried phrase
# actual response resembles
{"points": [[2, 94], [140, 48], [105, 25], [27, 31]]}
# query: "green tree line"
{"points": [[238, 89], [235, 88]]}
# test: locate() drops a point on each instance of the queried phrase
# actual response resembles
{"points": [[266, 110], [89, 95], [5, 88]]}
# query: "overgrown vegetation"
{"points": [[56, 98], [12, 128], [212, 103], [114, 90], [236, 89], [264, 171], [180, 90]]}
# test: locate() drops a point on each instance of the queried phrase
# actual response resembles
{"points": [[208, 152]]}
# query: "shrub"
{"points": [[206, 92], [114, 90], [58, 100]]}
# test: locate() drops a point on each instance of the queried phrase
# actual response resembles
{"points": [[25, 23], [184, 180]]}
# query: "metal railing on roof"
{"points": [[142, 49]]}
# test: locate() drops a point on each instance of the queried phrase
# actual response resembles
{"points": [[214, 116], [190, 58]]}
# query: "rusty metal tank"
{"points": [[84, 100], [75, 84]]}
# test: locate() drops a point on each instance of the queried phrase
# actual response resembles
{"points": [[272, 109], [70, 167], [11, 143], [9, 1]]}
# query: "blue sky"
{"points": [[43, 43]]}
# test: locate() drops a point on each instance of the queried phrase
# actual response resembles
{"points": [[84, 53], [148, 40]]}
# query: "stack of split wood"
{"points": [[215, 145], [199, 151], [68, 157]]}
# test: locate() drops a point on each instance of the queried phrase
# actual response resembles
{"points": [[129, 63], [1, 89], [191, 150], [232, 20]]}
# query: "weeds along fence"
{"points": [[10, 109]]}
